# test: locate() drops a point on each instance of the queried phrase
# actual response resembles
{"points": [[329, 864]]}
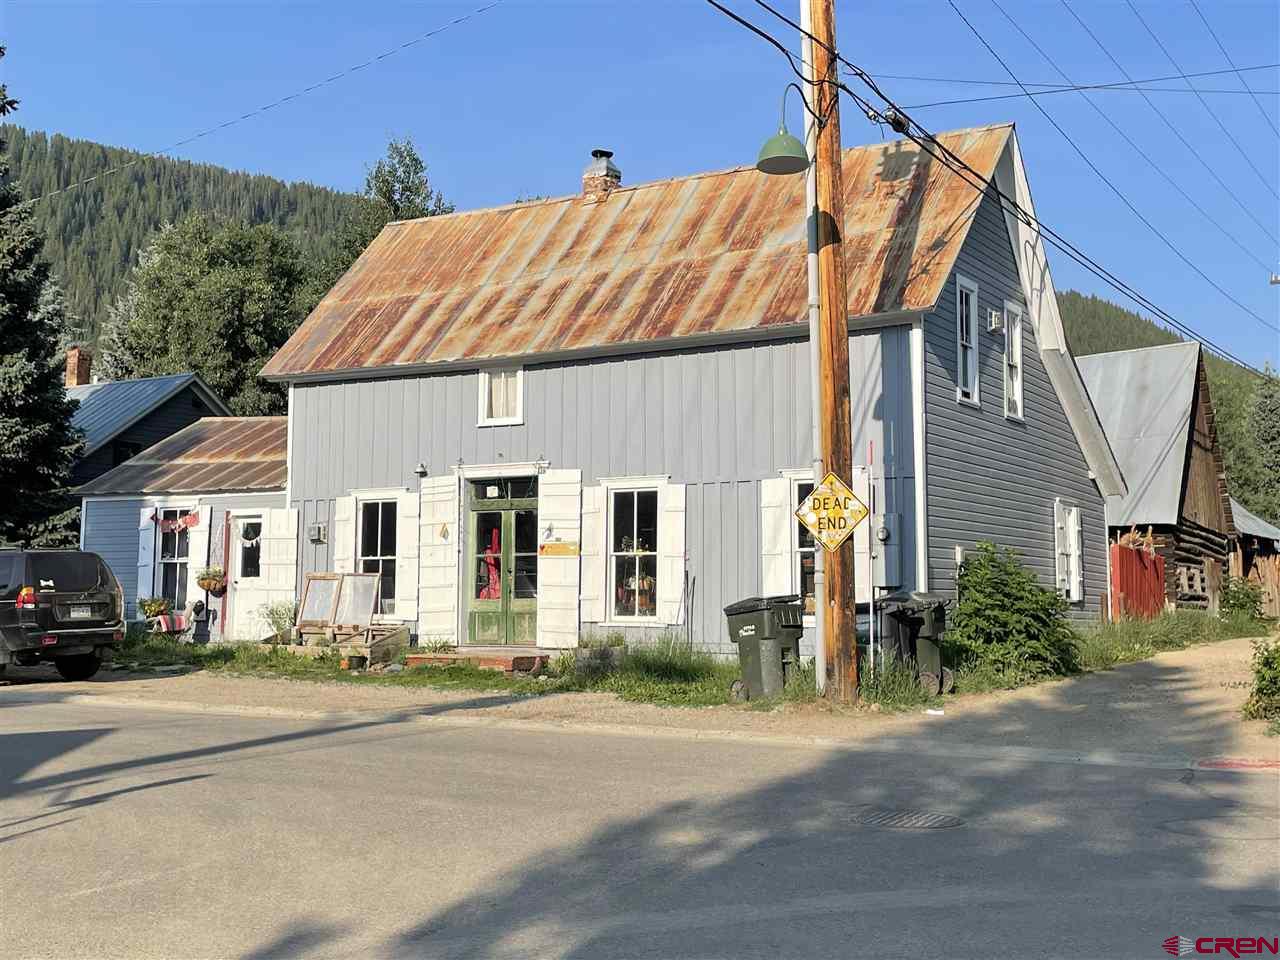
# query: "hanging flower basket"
{"points": [[212, 580]]}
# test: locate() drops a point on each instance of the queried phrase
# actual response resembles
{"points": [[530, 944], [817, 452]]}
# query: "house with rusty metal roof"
{"points": [[120, 418], [591, 414], [1158, 413], [210, 495]]}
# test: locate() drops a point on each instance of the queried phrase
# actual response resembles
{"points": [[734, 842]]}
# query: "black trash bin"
{"points": [[767, 631], [918, 621]]}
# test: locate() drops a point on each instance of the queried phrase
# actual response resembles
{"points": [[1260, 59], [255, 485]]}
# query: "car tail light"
{"points": [[26, 598], [48, 640], [118, 636]]}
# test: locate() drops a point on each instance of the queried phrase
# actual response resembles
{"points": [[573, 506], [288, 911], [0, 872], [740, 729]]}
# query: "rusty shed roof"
{"points": [[213, 455], [710, 254]]}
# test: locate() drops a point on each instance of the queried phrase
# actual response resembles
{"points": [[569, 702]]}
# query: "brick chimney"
{"points": [[79, 363], [600, 176]]}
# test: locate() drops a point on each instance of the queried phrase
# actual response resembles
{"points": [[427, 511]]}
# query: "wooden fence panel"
{"points": [[1137, 583]]}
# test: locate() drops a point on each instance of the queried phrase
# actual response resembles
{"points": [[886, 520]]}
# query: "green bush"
{"points": [[1264, 701], [1006, 624], [1241, 597], [281, 615]]}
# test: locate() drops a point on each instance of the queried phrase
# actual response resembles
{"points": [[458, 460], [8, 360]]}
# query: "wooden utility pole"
{"points": [[839, 610]]}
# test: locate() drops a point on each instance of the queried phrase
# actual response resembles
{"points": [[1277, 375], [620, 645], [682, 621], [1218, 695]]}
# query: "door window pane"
{"points": [[488, 561], [526, 577], [526, 531], [251, 549]]}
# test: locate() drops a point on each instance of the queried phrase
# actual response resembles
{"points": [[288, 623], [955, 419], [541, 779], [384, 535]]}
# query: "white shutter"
{"points": [[198, 552], [146, 554], [775, 536], [1074, 540], [592, 588], [408, 512], [344, 535], [671, 555], [280, 554], [438, 559], [559, 543], [1061, 548]]}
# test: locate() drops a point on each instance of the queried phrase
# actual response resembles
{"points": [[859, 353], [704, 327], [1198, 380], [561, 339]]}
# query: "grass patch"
{"points": [[892, 684], [670, 676], [1129, 640]]}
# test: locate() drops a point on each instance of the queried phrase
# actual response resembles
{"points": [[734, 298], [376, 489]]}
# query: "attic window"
{"points": [[501, 397]]}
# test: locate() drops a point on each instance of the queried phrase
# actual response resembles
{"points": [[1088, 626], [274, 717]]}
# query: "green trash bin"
{"points": [[918, 621], [767, 631]]}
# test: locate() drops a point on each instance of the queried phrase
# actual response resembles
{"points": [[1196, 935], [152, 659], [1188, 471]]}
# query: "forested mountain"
{"points": [[94, 232], [1095, 325]]}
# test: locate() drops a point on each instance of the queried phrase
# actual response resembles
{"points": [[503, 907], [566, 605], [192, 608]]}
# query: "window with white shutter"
{"points": [[1068, 546]]}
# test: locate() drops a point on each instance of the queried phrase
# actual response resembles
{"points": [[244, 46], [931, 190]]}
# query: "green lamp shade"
{"points": [[782, 154]]}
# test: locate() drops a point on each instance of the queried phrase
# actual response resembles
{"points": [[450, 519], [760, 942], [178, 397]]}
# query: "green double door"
{"points": [[502, 555]]}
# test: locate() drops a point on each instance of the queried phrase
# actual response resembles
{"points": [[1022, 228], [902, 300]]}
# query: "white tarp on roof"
{"points": [[1251, 524], [1144, 399]]}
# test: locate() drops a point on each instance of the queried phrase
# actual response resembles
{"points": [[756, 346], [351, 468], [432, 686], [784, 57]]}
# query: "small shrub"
{"points": [[563, 664], [1006, 622], [1264, 701], [154, 606], [1241, 598], [281, 615]]}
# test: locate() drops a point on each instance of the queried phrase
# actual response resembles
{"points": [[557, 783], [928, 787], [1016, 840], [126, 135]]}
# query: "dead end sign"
{"points": [[832, 512]]}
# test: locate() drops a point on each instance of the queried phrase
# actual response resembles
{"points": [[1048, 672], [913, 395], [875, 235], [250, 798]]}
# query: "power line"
{"points": [[1209, 168], [1129, 140], [1120, 194], [1204, 103], [268, 106], [904, 124], [1118, 85], [1239, 72], [1109, 88]]}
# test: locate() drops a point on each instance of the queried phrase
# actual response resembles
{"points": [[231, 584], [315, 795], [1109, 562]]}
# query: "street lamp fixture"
{"points": [[783, 154]]}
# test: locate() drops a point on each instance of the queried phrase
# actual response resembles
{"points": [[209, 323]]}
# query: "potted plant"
{"points": [[154, 606], [213, 579]]}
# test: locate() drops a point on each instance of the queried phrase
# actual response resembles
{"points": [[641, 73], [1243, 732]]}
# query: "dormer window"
{"points": [[501, 396]]}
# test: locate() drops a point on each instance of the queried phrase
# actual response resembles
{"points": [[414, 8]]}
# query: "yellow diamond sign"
{"points": [[831, 512]]}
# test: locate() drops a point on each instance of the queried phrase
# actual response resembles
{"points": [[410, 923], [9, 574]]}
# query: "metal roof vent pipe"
{"points": [[600, 176]]}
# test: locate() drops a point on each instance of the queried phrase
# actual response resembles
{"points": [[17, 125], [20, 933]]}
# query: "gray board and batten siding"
{"points": [[718, 419], [990, 477]]}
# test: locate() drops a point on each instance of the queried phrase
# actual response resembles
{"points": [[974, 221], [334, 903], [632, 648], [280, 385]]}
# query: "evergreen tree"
{"points": [[37, 443], [53, 313], [215, 299], [395, 188], [1265, 422]]}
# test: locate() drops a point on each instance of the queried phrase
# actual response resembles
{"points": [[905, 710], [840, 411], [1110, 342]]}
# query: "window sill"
{"points": [[1015, 417], [633, 622], [967, 401], [502, 422]]}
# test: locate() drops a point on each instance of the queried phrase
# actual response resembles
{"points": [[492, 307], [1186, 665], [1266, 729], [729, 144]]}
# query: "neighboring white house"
{"points": [[210, 495]]}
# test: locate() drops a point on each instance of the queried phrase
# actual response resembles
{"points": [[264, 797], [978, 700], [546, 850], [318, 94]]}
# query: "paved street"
{"points": [[134, 831]]}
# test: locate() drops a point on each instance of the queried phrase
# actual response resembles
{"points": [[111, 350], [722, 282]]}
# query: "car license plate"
{"points": [[81, 612]]}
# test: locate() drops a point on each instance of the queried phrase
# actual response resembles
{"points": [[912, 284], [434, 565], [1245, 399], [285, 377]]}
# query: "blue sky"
{"points": [[510, 103]]}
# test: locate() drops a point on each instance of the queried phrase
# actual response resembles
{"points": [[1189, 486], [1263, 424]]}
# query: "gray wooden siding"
{"points": [[174, 414], [717, 419], [111, 531], [992, 478]]}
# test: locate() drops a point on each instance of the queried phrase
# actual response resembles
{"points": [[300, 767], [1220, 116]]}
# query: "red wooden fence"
{"points": [[1137, 583]]}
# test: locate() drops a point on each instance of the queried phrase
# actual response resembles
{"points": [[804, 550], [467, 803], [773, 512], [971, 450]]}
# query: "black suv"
{"points": [[59, 605]]}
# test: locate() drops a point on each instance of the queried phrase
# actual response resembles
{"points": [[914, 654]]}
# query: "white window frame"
{"points": [[639, 485], [794, 478], [1013, 354], [974, 398], [391, 497], [158, 563], [483, 419]]}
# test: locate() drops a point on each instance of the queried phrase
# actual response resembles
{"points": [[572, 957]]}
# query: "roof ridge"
{"points": [[1154, 346]]}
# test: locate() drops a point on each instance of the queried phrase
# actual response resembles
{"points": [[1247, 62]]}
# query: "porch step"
{"points": [[501, 661]]}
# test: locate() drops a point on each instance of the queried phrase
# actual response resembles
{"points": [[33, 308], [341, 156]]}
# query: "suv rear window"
{"points": [[67, 572]]}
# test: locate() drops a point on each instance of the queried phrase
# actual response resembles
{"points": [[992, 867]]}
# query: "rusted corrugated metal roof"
{"points": [[213, 455], [715, 253]]}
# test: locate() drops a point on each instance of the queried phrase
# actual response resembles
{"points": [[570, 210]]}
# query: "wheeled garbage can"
{"points": [[918, 622], [767, 631]]}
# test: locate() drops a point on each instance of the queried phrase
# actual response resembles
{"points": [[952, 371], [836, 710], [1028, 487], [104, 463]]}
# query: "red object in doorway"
{"points": [[1137, 583], [492, 589]]}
